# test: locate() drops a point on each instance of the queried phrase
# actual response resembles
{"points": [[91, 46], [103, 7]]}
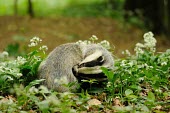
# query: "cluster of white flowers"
{"points": [[164, 58], [10, 70], [105, 44], [8, 67], [146, 66], [138, 50], [34, 41], [85, 42], [92, 40], [127, 63], [149, 43], [20, 60]]}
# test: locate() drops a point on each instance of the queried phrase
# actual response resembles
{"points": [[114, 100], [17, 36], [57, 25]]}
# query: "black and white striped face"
{"points": [[90, 67]]}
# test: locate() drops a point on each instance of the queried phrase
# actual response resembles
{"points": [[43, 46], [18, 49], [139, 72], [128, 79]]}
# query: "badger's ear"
{"points": [[93, 57]]}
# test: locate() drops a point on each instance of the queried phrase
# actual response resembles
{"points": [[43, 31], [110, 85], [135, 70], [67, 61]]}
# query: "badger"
{"points": [[73, 62]]}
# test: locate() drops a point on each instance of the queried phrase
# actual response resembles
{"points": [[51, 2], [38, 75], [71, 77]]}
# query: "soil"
{"points": [[56, 31]]}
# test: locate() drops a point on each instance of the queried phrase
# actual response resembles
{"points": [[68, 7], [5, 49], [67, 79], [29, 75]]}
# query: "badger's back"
{"points": [[56, 69]]}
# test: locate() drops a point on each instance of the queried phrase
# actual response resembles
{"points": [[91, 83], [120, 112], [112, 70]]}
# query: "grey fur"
{"points": [[56, 69]]}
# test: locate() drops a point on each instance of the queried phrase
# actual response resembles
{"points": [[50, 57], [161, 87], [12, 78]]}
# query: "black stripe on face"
{"points": [[98, 62], [99, 77]]}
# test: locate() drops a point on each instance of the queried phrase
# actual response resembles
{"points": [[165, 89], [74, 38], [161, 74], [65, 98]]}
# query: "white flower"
{"points": [[19, 74], [43, 89], [32, 44], [34, 41], [105, 44], [43, 48], [20, 60], [131, 63], [147, 66], [149, 39], [138, 50], [123, 63], [2, 69], [94, 38], [5, 54], [10, 78], [149, 44], [140, 45], [109, 84], [33, 90], [126, 52], [85, 42], [163, 63], [149, 34]]}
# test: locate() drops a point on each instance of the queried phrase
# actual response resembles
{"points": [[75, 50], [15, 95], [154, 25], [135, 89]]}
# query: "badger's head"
{"points": [[94, 57]]}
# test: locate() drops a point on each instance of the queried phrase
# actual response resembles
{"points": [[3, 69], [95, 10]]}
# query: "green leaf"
{"points": [[44, 106], [128, 92], [35, 82], [151, 97], [109, 74]]}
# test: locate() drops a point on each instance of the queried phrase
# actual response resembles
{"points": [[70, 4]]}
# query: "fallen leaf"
{"points": [[117, 102], [94, 102]]}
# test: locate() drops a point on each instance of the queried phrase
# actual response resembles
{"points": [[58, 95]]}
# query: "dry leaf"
{"points": [[158, 107], [117, 102], [94, 102]]}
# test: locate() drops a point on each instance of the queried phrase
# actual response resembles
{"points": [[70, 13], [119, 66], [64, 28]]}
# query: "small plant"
{"points": [[23, 69], [142, 78], [33, 60]]}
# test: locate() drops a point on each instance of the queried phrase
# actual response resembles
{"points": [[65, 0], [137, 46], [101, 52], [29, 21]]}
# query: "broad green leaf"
{"points": [[151, 97], [128, 92], [35, 82]]}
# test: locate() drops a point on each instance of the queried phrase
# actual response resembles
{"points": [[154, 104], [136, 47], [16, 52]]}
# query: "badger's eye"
{"points": [[100, 59]]}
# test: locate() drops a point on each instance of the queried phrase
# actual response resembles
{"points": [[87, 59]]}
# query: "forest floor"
{"points": [[56, 31]]}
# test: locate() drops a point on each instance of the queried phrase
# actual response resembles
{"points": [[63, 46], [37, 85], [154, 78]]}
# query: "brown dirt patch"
{"points": [[56, 31]]}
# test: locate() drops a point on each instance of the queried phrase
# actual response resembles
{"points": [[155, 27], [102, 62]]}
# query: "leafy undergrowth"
{"points": [[138, 83]]}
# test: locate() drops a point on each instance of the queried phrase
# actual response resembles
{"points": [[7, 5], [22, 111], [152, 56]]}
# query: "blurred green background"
{"points": [[77, 8], [62, 21]]}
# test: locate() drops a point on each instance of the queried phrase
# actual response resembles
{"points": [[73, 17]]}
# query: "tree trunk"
{"points": [[30, 8], [15, 7], [166, 16], [156, 13]]}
